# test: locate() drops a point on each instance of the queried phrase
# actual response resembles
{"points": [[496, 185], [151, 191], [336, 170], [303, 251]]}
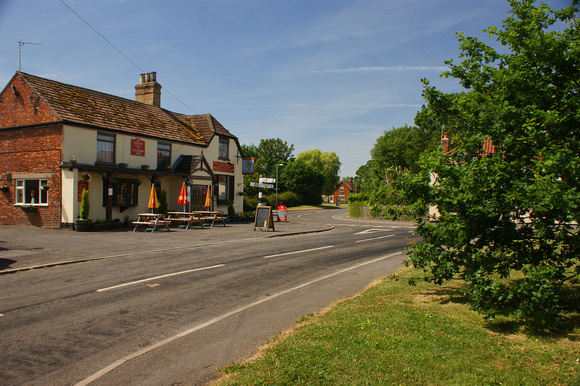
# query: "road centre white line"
{"points": [[374, 238], [129, 357], [295, 252], [160, 277]]}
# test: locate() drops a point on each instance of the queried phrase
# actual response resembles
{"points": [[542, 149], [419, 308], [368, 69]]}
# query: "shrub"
{"points": [[250, 204], [287, 198], [85, 205]]}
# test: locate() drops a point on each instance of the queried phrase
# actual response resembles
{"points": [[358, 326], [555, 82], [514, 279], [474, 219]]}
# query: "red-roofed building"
{"points": [[341, 193], [57, 140]]}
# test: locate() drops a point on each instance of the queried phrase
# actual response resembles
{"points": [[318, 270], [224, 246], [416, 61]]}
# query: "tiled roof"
{"points": [[488, 147], [88, 107]]}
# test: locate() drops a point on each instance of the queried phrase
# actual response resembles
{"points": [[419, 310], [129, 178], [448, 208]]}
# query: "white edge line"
{"points": [[374, 238], [129, 357], [159, 277], [295, 252]]}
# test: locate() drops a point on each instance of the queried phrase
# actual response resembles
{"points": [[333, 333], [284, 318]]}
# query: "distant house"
{"points": [[341, 193], [57, 140]]}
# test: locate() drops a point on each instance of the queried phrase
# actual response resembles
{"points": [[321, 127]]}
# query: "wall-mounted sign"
{"points": [[223, 167], [83, 185], [138, 147], [248, 165]]}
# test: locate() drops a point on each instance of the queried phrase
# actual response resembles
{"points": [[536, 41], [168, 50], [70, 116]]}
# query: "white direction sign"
{"points": [[268, 180], [261, 185]]}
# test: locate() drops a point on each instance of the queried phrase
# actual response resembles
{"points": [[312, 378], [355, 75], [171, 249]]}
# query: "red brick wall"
{"points": [[28, 150], [23, 107], [337, 193], [31, 150]]}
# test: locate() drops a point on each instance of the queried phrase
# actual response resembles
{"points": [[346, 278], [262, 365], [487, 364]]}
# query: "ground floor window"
{"points": [[31, 192], [125, 192], [225, 189]]}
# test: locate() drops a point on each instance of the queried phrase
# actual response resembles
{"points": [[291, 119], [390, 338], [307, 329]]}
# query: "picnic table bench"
{"points": [[186, 217], [152, 220], [211, 216]]}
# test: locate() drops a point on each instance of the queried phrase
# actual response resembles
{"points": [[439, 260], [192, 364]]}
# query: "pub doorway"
{"points": [[198, 193]]}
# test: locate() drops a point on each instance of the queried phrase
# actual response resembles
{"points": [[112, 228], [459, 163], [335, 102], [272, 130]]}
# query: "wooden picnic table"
{"points": [[186, 217], [211, 216], [152, 220]]}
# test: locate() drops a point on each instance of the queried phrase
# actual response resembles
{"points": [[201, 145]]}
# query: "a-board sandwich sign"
{"points": [[264, 218]]}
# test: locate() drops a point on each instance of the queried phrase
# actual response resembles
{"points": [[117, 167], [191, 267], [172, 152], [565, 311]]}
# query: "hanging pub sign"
{"points": [[138, 147], [248, 165]]}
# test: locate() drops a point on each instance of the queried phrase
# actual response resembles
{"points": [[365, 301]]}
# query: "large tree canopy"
{"points": [[272, 152], [326, 163], [303, 179], [508, 212]]}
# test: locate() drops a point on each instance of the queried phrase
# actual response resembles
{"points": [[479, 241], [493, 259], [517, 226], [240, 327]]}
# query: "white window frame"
{"points": [[224, 148], [162, 148], [26, 185], [104, 141], [225, 189]]}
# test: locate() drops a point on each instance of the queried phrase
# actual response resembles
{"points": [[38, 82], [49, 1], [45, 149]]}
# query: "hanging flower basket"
{"points": [[44, 187], [27, 207], [86, 177], [4, 188]]}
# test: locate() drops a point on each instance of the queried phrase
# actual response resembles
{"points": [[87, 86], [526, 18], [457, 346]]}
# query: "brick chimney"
{"points": [[445, 143], [148, 90]]}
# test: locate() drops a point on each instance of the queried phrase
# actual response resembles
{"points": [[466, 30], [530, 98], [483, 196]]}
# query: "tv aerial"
{"points": [[20, 44]]}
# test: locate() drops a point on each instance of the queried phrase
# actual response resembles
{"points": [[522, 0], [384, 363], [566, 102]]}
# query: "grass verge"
{"points": [[394, 333]]}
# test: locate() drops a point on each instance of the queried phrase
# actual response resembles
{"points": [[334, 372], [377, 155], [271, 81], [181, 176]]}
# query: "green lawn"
{"points": [[394, 333]]}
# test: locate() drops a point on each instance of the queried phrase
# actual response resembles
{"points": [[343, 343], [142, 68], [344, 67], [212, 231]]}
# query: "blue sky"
{"points": [[320, 74]]}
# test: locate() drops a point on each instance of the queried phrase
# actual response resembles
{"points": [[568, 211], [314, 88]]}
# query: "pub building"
{"points": [[57, 140]]}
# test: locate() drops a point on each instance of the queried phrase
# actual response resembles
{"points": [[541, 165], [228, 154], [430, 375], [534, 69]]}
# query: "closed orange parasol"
{"points": [[208, 198], [153, 202], [182, 200]]}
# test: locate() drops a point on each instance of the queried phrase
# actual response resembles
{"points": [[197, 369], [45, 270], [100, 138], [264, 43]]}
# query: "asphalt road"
{"points": [[175, 315]]}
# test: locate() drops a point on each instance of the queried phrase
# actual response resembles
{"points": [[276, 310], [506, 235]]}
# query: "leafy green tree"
{"points": [[268, 154], [398, 147], [272, 152], [507, 213], [304, 180], [396, 154], [327, 163], [250, 150]]}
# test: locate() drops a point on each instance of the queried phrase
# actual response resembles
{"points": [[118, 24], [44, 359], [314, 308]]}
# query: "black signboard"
{"points": [[264, 218]]}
